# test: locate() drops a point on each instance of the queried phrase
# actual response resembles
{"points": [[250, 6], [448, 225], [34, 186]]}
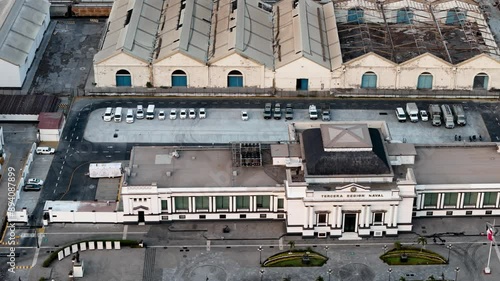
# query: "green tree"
{"points": [[422, 241], [398, 245], [320, 278], [402, 278], [431, 278], [292, 245]]}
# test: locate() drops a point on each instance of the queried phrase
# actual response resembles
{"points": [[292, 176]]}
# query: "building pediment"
{"points": [[353, 187]]}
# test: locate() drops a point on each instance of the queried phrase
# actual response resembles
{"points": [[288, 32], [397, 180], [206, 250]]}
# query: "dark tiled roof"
{"points": [[16, 104], [50, 120], [320, 162]]}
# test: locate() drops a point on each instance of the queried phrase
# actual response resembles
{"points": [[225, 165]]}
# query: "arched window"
{"points": [[355, 15], [480, 82], [179, 79], [405, 15], [455, 16], [235, 79], [123, 78], [424, 81], [369, 80]]}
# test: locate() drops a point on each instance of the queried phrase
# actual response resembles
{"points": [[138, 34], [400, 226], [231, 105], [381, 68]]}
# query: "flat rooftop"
{"points": [[457, 165], [198, 167]]}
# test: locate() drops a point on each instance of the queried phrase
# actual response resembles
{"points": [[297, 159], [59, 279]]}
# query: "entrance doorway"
{"points": [[141, 217], [350, 222]]}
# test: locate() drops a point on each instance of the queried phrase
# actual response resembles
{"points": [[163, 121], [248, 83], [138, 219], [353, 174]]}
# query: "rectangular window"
{"points": [[378, 218], [222, 202], [263, 201], [430, 199], [201, 202], [490, 198], [450, 199], [181, 203], [322, 218], [449, 213], [470, 198], [242, 202], [281, 203], [164, 205], [468, 213], [302, 84], [243, 216], [222, 216], [263, 216], [203, 217]]}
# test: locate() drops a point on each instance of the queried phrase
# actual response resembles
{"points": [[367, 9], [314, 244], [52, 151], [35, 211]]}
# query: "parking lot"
{"points": [[226, 125], [39, 169]]}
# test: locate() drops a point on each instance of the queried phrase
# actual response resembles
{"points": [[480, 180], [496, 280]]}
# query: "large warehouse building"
{"points": [[298, 45]]}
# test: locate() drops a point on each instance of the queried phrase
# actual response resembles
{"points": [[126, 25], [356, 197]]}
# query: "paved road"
{"points": [[66, 175]]}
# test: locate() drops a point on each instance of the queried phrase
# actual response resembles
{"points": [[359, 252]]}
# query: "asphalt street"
{"points": [[66, 179]]}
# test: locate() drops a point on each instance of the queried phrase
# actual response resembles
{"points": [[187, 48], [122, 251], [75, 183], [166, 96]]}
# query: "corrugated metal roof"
{"points": [[20, 27], [248, 31], [185, 27], [137, 37], [302, 32], [50, 120], [15, 104]]}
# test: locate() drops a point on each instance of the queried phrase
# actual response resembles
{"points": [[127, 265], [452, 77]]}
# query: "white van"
{"points": [[130, 116], [108, 114], [400, 114], [140, 112], [45, 150], [150, 113], [118, 114]]}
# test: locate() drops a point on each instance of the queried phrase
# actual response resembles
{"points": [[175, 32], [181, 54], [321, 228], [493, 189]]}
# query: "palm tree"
{"points": [[292, 245], [423, 241]]}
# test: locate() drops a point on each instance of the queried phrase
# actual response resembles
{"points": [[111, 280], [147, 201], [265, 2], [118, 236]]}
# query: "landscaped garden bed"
{"points": [[405, 255], [295, 258]]}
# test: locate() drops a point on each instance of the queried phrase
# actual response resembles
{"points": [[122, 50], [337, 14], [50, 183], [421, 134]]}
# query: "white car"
{"points": [[45, 150], [192, 113], [424, 116], [244, 116], [35, 181], [202, 113], [139, 114], [161, 115], [173, 114], [183, 114]]}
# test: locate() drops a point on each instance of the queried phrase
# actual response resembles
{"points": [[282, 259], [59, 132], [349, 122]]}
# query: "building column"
{"points": [[395, 216], [311, 217], [440, 201], [210, 203], [169, 205], [361, 219], [275, 204], [252, 204], [231, 207], [368, 215], [306, 217], [479, 200], [388, 220], [191, 204], [339, 216], [460, 200], [419, 201], [498, 198], [172, 200], [332, 216]]}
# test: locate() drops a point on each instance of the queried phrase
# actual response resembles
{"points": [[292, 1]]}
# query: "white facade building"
{"points": [[22, 26]]}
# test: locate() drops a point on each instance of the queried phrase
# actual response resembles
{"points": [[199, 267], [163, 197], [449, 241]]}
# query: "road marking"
{"points": [[67, 150], [60, 172], [72, 134], [77, 138], [58, 178], [56, 186], [105, 151], [108, 156], [117, 151], [125, 229], [65, 156], [63, 163], [94, 151]]}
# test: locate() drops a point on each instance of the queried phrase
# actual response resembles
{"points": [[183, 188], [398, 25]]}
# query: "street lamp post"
{"points": [[449, 249], [326, 250], [260, 255], [390, 273], [385, 249], [261, 274], [456, 273], [329, 274]]}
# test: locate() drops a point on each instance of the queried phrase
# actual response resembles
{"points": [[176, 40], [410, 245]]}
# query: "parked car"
{"points": [[202, 113], [32, 187], [289, 111], [173, 114], [139, 114], [161, 115], [129, 118], [35, 181], [400, 114], [277, 111], [108, 114], [192, 113], [325, 115], [423, 115], [244, 116], [267, 111], [45, 150], [183, 114], [313, 112]]}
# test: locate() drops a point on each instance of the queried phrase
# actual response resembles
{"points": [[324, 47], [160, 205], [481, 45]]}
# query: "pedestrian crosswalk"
{"points": [[23, 266]]}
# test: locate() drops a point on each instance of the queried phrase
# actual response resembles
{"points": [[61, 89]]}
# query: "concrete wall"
{"points": [[287, 75], [197, 72], [254, 74], [105, 72], [86, 11], [10, 75], [386, 71]]}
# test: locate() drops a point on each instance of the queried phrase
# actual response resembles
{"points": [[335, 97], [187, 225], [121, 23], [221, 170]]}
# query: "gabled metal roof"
{"points": [[21, 23], [132, 28], [302, 32], [245, 28], [185, 28]]}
